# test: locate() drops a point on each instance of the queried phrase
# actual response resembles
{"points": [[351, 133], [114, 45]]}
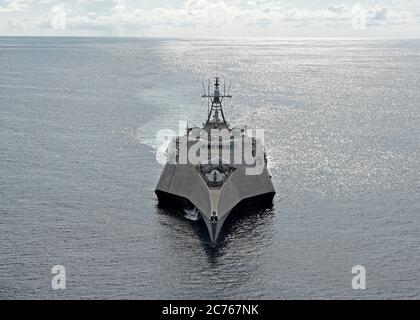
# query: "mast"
{"points": [[215, 101]]}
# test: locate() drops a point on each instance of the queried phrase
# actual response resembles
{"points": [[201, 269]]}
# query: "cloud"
{"points": [[14, 23], [59, 17], [212, 13], [337, 8], [118, 16], [380, 14], [15, 5]]}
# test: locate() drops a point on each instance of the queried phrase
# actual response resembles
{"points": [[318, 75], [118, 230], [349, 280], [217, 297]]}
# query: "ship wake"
{"points": [[192, 214]]}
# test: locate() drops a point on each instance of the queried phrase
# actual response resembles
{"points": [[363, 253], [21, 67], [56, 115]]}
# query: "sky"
{"points": [[211, 18]]}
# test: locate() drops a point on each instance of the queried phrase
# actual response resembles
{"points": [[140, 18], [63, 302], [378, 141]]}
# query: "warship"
{"points": [[215, 169]]}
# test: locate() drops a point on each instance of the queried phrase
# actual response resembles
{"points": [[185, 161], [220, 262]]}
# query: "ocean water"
{"points": [[78, 120]]}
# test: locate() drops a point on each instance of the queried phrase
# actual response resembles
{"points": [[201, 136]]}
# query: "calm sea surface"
{"points": [[78, 120]]}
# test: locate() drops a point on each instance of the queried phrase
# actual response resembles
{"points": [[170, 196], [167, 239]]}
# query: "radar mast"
{"points": [[215, 109]]}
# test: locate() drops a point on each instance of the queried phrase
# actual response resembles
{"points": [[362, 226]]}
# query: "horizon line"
{"points": [[216, 37]]}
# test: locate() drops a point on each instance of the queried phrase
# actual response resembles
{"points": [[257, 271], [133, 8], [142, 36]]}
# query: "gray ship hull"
{"points": [[182, 184]]}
